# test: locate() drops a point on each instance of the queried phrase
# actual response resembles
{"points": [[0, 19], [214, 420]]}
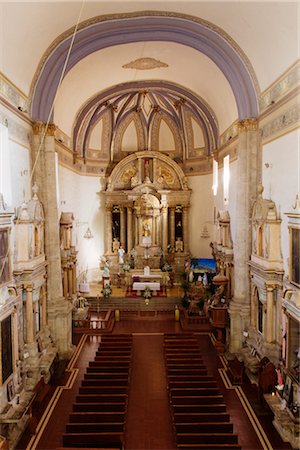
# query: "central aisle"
{"points": [[149, 423]]}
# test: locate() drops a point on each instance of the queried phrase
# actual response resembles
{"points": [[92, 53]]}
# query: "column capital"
{"points": [[40, 127], [108, 208], [250, 124], [28, 287]]}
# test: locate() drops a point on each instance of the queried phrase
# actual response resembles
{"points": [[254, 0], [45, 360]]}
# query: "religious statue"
{"points": [[115, 245], [121, 253], [179, 245], [134, 181], [146, 228], [106, 272]]}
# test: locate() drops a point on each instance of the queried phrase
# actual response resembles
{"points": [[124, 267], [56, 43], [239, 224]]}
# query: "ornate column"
{"points": [[129, 229], [123, 227], [164, 213], [29, 315], [65, 275], [108, 226], [185, 225], [249, 177], [270, 315], [172, 226], [59, 310], [70, 279]]}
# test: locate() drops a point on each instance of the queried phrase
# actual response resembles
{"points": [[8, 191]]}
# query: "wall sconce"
{"points": [[88, 234]]}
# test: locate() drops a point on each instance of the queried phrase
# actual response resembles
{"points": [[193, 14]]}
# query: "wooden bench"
{"points": [[192, 384], [197, 400], [97, 440], [108, 363], [113, 358], [99, 407], [108, 390], [200, 408], [41, 391], [105, 375], [214, 427], [184, 360], [208, 446], [97, 427], [189, 417], [104, 398], [109, 351], [105, 382], [108, 369], [236, 370], [188, 377], [207, 438], [95, 417], [176, 371], [193, 392]]}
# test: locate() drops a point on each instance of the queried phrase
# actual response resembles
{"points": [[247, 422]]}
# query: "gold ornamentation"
{"points": [[250, 124], [164, 175], [40, 127], [128, 173]]}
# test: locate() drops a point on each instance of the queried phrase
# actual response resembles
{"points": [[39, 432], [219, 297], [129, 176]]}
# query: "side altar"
{"points": [[147, 204]]}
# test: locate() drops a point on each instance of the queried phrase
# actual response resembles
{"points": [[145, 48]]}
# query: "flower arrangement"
{"points": [[166, 267], [126, 266], [147, 293], [106, 291]]}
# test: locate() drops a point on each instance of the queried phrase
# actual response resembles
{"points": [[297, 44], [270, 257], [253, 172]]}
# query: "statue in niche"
{"points": [[178, 245], [146, 228]]}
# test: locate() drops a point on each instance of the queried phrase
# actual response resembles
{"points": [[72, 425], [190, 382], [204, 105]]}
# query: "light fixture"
{"points": [[88, 234]]}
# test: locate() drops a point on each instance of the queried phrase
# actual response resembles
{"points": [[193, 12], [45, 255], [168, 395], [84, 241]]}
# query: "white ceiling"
{"points": [[266, 31]]}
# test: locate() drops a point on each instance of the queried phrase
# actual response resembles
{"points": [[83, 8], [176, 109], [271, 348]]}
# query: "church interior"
{"points": [[149, 225]]}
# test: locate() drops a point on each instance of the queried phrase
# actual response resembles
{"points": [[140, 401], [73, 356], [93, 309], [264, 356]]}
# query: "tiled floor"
{"points": [[148, 422]]}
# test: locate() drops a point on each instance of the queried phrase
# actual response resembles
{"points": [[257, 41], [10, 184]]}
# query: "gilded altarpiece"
{"points": [[143, 193]]}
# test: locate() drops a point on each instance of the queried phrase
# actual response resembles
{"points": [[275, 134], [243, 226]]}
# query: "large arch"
{"points": [[105, 31]]}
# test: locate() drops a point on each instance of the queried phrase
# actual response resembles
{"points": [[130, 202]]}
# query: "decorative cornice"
{"points": [[17, 130], [282, 123], [250, 124]]}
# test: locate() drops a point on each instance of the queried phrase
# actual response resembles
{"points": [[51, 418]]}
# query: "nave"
{"points": [[149, 416]]}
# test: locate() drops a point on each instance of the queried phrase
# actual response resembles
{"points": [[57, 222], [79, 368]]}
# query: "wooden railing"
{"points": [[94, 325]]}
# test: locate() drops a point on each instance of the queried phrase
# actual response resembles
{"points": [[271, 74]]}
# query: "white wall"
{"points": [[281, 174], [20, 174], [201, 213], [78, 194]]}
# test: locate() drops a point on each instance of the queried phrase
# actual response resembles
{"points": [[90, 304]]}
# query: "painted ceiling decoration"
{"points": [[104, 31], [147, 104], [145, 64]]}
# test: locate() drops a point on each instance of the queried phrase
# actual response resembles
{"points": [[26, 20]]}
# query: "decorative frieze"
{"points": [[17, 131], [285, 121], [14, 95], [287, 81], [249, 124]]}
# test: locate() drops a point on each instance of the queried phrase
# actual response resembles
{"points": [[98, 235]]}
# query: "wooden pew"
{"points": [[100, 407], [105, 382], [97, 440], [192, 384], [95, 417], [184, 360], [115, 427], [99, 390], [207, 438], [175, 371], [209, 446], [108, 363], [107, 369], [104, 398], [109, 351], [236, 370], [105, 375], [188, 377], [189, 417], [199, 408], [187, 392], [197, 400], [215, 427]]}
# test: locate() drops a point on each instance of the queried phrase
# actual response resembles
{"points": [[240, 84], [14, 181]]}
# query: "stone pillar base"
{"points": [[239, 313], [60, 324]]}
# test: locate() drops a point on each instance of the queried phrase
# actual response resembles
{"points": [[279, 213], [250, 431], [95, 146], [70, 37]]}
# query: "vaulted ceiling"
{"points": [[218, 52]]}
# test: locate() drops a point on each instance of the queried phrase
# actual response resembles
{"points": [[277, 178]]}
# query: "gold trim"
{"points": [[250, 124], [40, 127]]}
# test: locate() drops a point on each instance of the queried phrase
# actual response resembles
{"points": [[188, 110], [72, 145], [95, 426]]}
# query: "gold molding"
{"points": [[250, 124], [42, 127]]}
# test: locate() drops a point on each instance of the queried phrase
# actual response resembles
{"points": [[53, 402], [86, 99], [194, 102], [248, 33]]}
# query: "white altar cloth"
{"points": [[141, 286]]}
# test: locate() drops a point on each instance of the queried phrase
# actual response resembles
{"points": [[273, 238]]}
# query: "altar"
{"points": [[142, 285]]}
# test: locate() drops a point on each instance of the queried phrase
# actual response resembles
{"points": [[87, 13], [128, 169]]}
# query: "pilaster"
{"points": [[249, 177], [45, 176]]}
